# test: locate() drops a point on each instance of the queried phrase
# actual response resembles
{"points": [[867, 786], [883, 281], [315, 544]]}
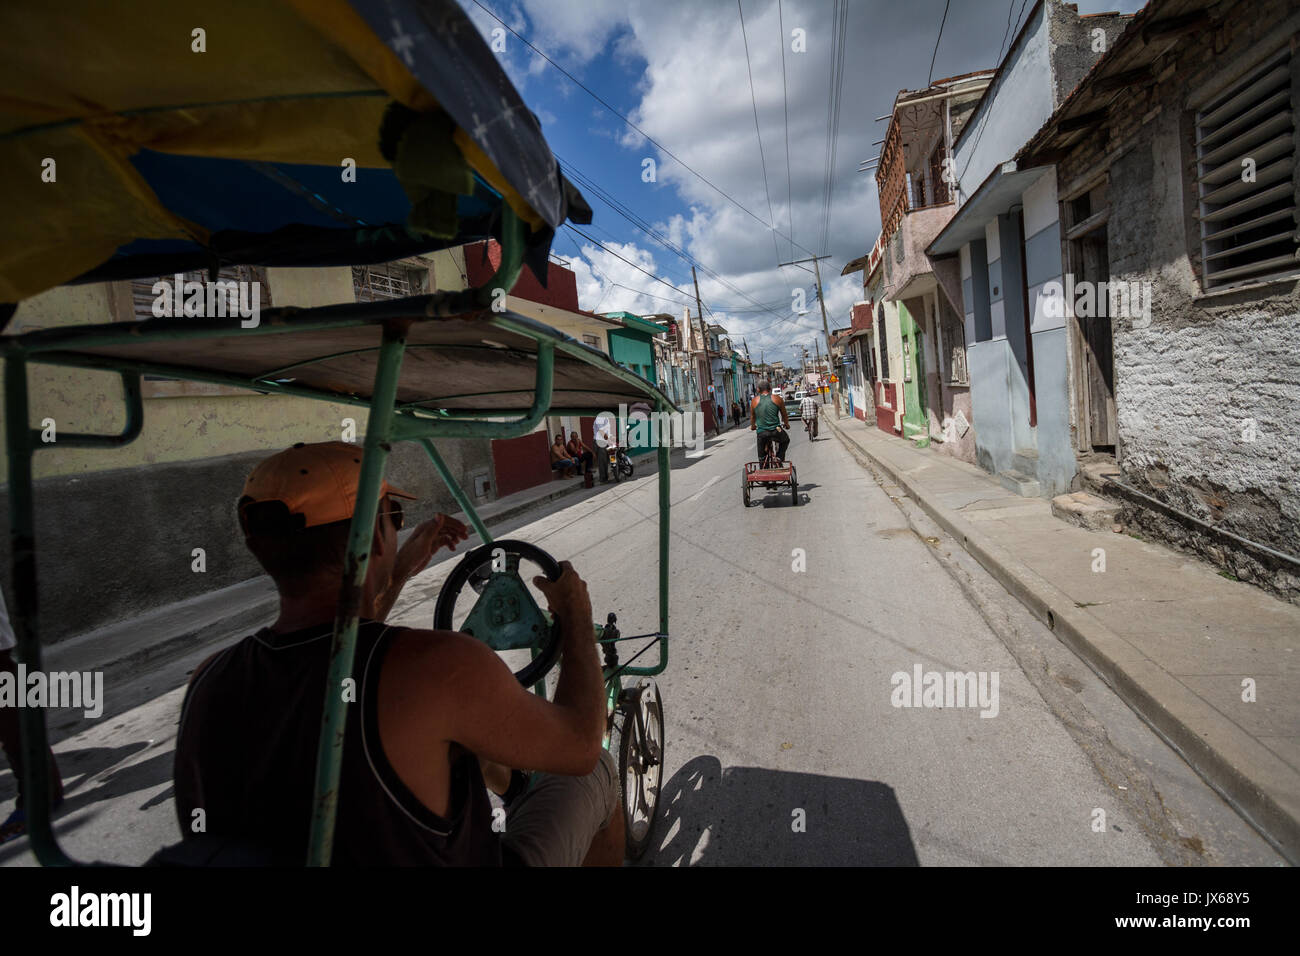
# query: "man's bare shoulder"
{"points": [[424, 652]]}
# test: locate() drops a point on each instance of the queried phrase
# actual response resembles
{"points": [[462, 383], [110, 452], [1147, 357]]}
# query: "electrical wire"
{"points": [[758, 132], [930, 75], [667, 152], [785, 107]]}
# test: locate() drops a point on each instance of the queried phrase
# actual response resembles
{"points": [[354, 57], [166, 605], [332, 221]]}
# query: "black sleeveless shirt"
{"points": [[246, 756]]}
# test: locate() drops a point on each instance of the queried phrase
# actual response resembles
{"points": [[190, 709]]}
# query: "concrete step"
{"points": [[1093, 475], [1025, 461], [1087, 511], [1020, 483]]}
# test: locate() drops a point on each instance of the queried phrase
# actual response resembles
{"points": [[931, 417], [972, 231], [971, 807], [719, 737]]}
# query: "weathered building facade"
{"points": [[915, 180], [1177, 183], [1005, 240]]}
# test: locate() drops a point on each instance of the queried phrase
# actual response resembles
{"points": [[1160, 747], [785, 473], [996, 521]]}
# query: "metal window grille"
{"points": [[1245, 153], [143, 297], [386, 281]]}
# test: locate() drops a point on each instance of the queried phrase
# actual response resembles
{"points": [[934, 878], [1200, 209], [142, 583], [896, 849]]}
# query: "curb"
{"points": [[1151, 693]]}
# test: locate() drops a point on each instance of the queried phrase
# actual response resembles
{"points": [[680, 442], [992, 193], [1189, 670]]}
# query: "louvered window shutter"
{"points": [[1245, 149]]}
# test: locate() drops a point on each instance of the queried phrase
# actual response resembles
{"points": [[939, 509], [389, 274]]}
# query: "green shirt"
{"points": [[767, 416]]}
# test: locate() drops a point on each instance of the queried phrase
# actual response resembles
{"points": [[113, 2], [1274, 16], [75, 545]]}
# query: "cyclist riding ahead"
{"points": [[768, 417], [808, 409]]}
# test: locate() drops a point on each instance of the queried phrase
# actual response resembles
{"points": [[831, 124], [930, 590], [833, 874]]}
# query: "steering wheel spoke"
{"points": [[505, 617]]}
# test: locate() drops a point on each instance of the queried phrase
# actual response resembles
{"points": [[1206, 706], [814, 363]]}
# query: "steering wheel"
{"points": [[505, 616]]}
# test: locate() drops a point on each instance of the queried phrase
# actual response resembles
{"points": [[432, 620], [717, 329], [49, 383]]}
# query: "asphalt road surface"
{"points": [[786, 738]]}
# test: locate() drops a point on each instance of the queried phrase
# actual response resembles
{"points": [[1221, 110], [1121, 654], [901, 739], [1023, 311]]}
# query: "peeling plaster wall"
{"points": [[1206, 372]]}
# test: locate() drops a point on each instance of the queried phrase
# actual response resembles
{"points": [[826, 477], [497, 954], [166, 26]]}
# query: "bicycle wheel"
{"points": [[744, 487], [794, 488], [641, 767]]}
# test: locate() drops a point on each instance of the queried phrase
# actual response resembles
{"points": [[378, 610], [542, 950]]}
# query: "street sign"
{"points": [[834, 379]]}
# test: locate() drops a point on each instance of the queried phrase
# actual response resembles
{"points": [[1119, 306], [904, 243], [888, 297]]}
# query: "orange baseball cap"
{"points": [[317, 481]]}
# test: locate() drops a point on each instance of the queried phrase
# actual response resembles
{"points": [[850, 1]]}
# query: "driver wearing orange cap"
{"points": [[432, 715]]}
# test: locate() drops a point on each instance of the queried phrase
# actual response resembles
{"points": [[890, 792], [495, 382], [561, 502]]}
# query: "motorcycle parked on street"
{"points": [[617, 464]]}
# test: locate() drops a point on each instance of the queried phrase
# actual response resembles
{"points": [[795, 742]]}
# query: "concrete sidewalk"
{"points": [[1175, 640]]}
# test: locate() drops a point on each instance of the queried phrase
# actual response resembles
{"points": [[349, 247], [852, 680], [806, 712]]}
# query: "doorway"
{"points": [[1090, 254]]}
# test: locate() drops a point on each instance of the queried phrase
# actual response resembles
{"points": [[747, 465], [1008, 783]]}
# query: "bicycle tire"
{"points": [[637, 836]]}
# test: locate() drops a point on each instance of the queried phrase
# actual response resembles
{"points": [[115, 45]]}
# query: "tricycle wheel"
{"points": [[744, 487], [794, 487], [640, 765]]}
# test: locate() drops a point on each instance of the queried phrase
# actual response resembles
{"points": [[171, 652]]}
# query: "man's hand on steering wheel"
{"points": [[568, 601]]}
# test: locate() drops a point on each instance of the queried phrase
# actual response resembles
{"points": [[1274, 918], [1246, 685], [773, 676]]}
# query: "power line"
{"points": [[597, 242], [785, 106], [649, 230], [839, 33], [930, 75], [758, 132], [666, 151], [984, 120]]}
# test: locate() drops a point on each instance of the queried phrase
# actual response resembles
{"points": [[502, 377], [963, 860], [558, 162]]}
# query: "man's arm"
{"points": [[753, 423], [414, 556], [454, 688], [780, 403]]}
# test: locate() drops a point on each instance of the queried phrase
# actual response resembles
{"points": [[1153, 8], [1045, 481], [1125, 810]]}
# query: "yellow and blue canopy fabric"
{"points": [[156, 136]]}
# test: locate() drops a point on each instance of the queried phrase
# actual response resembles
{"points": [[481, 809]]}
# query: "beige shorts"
{"points": [[554, 822]]}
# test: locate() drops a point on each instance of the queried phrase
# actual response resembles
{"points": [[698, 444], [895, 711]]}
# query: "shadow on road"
{"points": [[95, 774], [746, 816]]}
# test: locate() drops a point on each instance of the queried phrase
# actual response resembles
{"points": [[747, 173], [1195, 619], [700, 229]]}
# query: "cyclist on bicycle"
{"points": [[767, 416], [808, 409]]}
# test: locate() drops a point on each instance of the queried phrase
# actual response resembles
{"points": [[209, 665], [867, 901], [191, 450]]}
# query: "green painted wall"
{"points": [[915, 415], [633, 349]]}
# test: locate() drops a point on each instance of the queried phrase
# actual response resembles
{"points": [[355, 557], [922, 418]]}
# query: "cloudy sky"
{"points": [[677, 69]]}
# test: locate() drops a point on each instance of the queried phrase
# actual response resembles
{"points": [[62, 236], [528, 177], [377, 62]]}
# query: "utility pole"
{"points": [[818, 346], [704, 340], [826, 328]]}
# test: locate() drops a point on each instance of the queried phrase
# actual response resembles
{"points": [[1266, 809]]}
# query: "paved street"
{"points": [[783, 744]]}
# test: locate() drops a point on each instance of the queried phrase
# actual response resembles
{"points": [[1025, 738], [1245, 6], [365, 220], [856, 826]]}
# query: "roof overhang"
{"points": [[996, 195], [857, 265]]}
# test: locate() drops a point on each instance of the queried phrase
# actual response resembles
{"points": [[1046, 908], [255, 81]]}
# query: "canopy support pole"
{"points": [[22, 443], [329, 755], [21, 440], [457, 492]]}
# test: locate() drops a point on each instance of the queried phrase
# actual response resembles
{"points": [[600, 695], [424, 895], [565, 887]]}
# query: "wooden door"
{"points": [[1098, 346]]}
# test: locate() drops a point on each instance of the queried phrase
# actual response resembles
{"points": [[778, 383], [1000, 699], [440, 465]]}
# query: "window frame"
{"points": [[1247, 68]]}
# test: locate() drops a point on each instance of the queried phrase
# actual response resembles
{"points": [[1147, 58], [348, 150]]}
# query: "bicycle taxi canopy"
{"points": [[126, 152]]}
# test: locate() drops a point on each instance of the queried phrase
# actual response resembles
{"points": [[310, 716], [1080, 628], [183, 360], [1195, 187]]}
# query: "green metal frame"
{"points": [[387, 423]]}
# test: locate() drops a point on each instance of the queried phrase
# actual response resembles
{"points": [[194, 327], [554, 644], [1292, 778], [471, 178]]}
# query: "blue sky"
{"points": [[678, 70]]}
